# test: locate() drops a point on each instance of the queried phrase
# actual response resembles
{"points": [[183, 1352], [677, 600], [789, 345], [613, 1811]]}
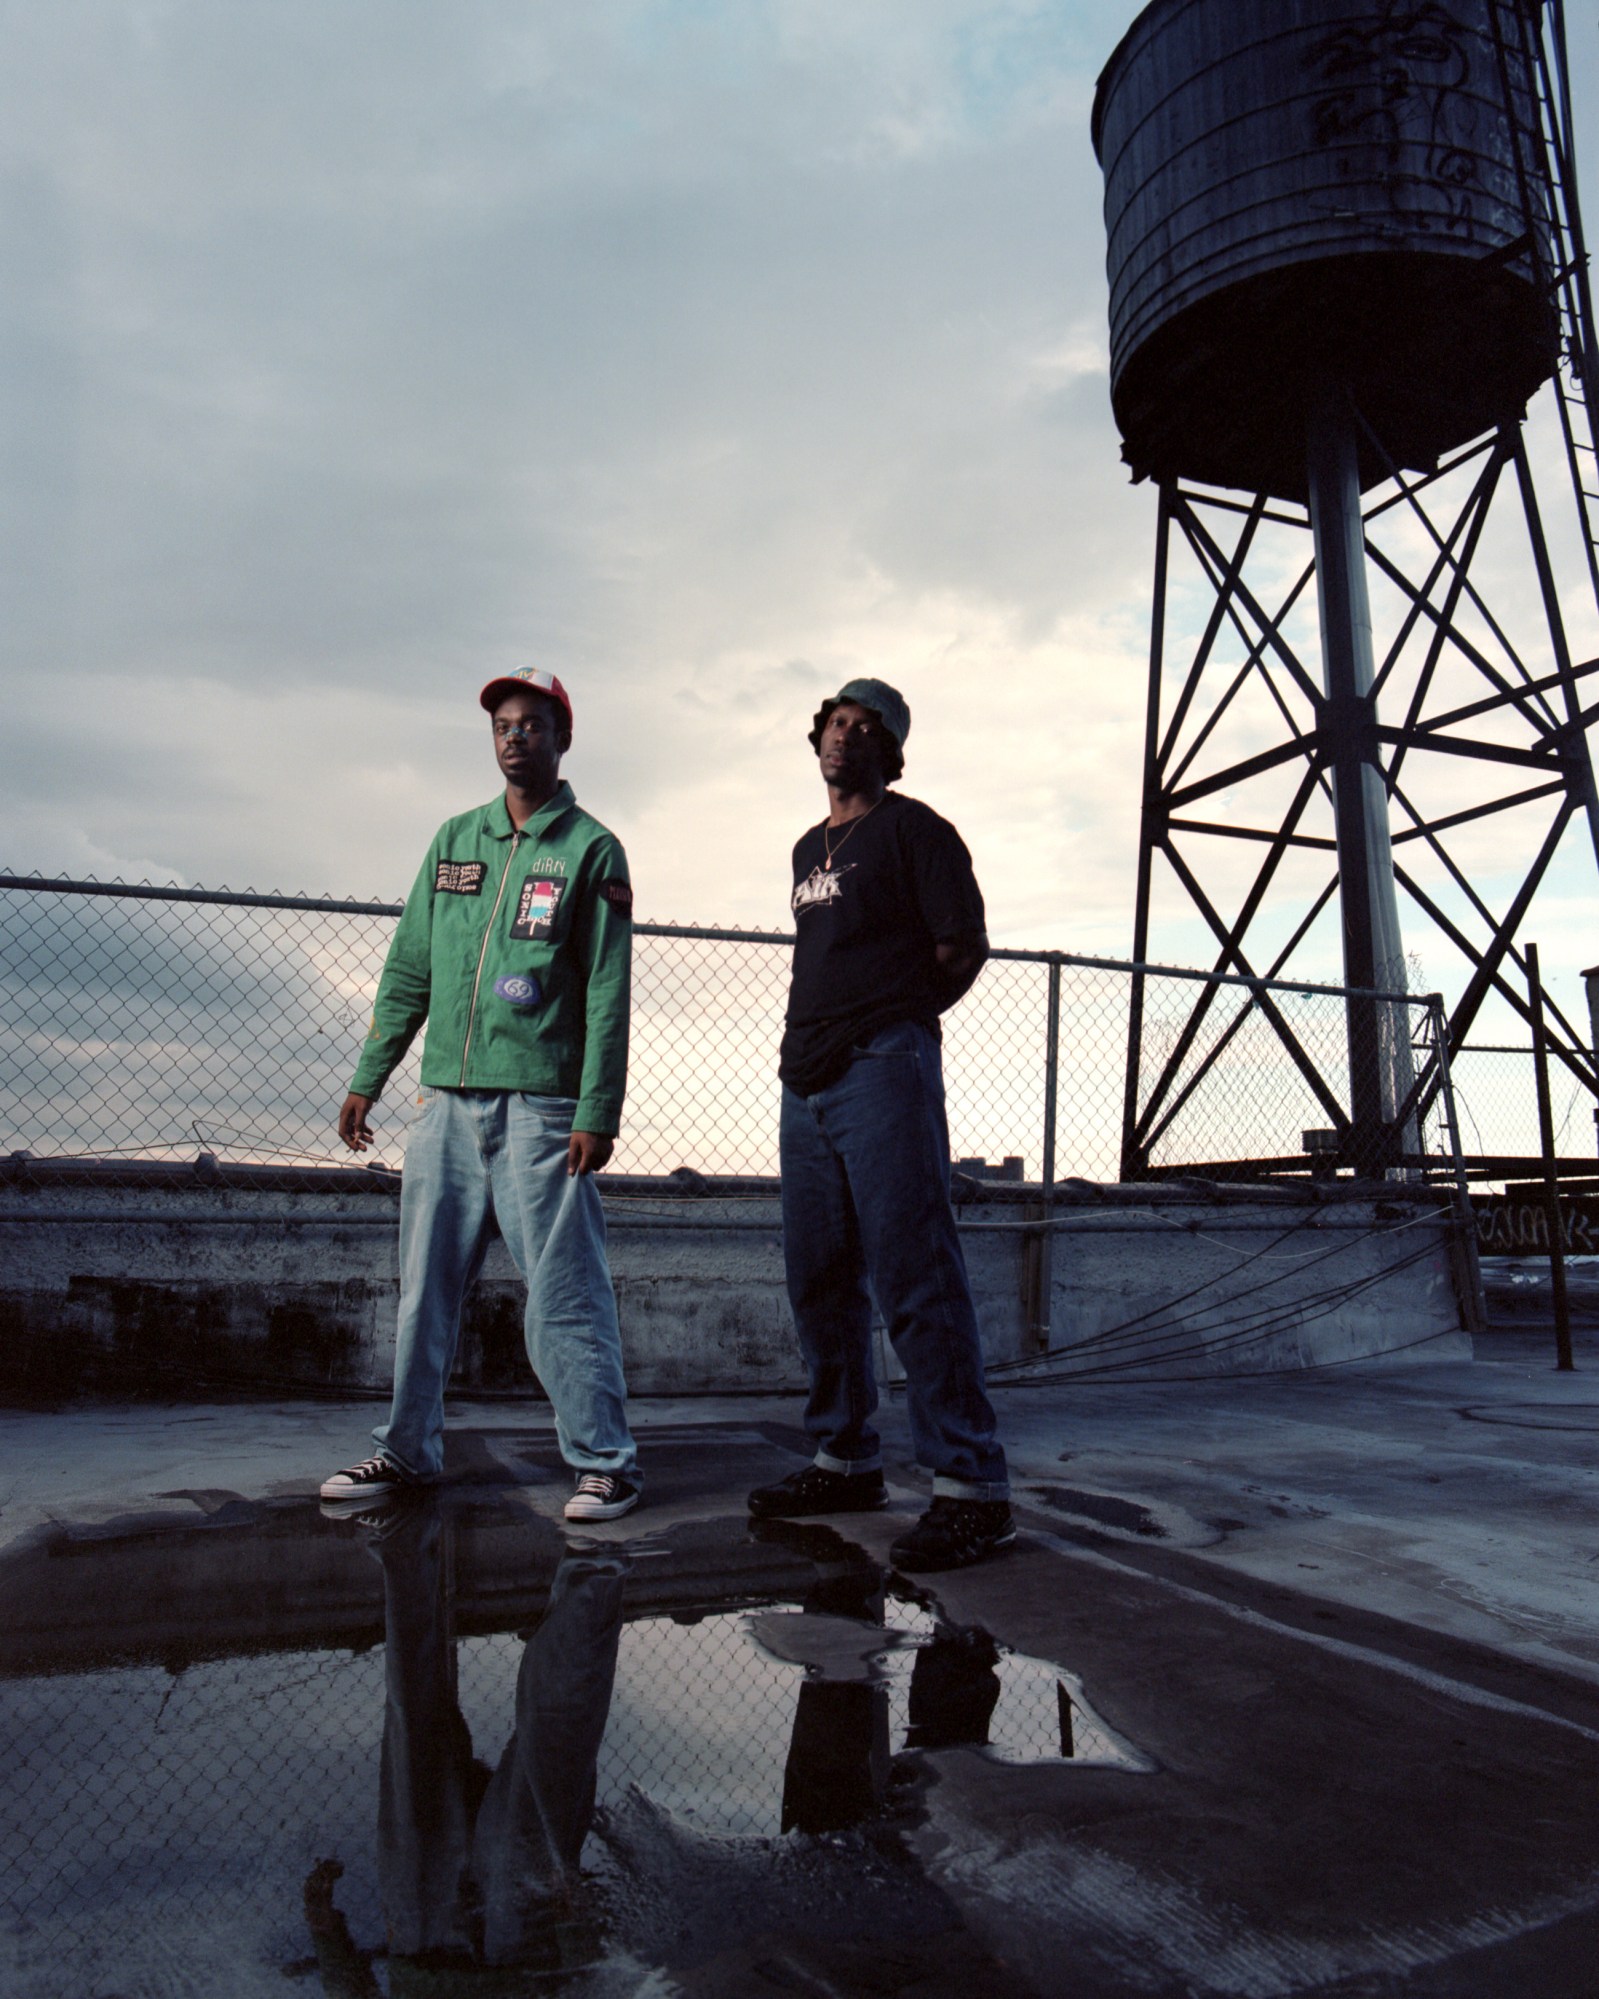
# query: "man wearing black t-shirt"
{"points": [[889, 933]]}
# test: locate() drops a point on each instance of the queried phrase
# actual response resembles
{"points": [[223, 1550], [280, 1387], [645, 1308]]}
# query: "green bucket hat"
{"points": [[885, 702]]}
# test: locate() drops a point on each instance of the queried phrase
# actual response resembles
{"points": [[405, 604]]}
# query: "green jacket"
{"points": [[550, 903]]}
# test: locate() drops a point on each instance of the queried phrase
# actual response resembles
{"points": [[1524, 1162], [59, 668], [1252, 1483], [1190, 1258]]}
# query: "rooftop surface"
{"points": [[1290, 1686]]}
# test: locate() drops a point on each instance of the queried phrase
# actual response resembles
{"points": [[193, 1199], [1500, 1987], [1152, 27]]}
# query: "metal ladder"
{"points": [[1530, 41]]}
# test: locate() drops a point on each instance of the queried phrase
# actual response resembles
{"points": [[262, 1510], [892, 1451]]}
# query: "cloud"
{"points": [[707, 353]]}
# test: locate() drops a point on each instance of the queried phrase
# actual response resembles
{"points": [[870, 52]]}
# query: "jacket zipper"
{"points": [[471, 1012]]}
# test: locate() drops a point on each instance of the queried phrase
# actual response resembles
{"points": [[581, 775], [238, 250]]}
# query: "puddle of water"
{"points": [[419, 1792]]}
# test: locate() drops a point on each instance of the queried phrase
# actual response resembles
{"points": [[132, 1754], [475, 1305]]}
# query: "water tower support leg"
{"points": [[1151, 832], [1373, 950]]}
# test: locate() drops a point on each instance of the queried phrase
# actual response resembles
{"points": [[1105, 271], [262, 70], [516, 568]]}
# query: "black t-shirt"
{"points": [[901, 882]]}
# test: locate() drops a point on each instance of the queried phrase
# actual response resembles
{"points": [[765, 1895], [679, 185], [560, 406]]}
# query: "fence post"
{"points": [[1551, 1172], [1051, 1075], [1132, 1160], [1468, 1263], [1038, 1244]]}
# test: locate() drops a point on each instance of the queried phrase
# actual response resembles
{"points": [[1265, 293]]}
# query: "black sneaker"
{"points": [[816, 1490], [954, 1533], [374, 1478], [602, 1495]]}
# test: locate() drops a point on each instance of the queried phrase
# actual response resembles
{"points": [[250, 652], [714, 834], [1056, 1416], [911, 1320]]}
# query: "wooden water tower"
{"points": [[1344, 252]]}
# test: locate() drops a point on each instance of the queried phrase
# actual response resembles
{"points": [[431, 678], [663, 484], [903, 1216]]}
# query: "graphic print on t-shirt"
{"points": [[820, 886], [867, 931], [536, 906]]}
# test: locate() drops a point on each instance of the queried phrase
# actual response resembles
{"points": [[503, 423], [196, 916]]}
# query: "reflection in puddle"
{"points": [[703, 1716], [350, 1816]]}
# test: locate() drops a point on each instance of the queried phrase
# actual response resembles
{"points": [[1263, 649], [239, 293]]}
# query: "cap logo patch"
{"points": [[459, 878], [535, 679]]}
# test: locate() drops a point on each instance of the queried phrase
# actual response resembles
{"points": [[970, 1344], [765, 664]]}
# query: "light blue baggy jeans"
{"points": [[477, 1157]]}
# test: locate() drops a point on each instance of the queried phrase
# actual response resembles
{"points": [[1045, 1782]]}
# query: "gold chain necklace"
{"points": [[828, 849]]}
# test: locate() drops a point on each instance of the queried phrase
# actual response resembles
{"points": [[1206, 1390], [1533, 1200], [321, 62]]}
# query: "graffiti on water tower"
{"points": [[1399, 81]]}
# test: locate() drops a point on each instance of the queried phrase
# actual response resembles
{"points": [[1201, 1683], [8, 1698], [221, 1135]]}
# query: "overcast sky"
{"points": [[706, 352]]}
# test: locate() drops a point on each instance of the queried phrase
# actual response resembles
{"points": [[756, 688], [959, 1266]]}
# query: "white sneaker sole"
{"points": [[588, 1509], [368, 1495], [375, 1516]]}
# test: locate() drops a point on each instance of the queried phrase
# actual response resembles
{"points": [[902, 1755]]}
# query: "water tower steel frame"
{"points": [[1344, 755]]}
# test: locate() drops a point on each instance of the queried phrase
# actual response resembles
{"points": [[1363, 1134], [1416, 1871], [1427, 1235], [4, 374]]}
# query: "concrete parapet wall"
{"points": [[162, 1284]]}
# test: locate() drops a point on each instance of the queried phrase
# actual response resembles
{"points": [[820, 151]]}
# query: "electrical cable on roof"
{"points": [[1194, 1291], [1264, 1325], [1128, 1331], [1240, 1334], [1267, 1328], [1255, 1373], [1268, 1320], [1222, 1334], [1260, 1255]]}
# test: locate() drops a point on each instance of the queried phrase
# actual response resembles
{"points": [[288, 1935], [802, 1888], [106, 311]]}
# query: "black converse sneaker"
{"points": [[373, 1478], [954, 1533], [814, 1490], [602, 1495]]}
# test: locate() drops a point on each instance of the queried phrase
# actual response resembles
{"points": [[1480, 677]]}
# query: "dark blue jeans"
{"points": [[866, 1216]]}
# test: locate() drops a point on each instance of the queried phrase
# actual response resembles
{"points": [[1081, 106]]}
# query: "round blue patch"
{"points": [[519, 989]]}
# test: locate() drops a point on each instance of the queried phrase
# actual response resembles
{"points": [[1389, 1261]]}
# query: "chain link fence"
{"points": [[1496, 1095], [141, 1023]]}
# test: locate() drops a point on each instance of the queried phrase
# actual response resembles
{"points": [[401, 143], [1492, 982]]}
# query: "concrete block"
{"points": [[161, 1287]]}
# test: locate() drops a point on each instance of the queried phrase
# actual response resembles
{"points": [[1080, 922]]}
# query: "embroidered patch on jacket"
{"points": [[536, 906], [519, 989], [619, 895], [820, 886], [459, 878]]}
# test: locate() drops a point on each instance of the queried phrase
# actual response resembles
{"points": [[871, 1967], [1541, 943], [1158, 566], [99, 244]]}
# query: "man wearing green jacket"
{"points": [[516, 949]]}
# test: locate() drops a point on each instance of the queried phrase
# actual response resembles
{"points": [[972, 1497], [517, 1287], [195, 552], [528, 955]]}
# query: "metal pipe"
{"points": [[1551, 1173], [1380, 1068], [146, 892], [702, 932]]}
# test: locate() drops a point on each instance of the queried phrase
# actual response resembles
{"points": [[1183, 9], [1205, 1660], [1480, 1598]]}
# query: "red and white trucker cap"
{"points": [[526, 680]]}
